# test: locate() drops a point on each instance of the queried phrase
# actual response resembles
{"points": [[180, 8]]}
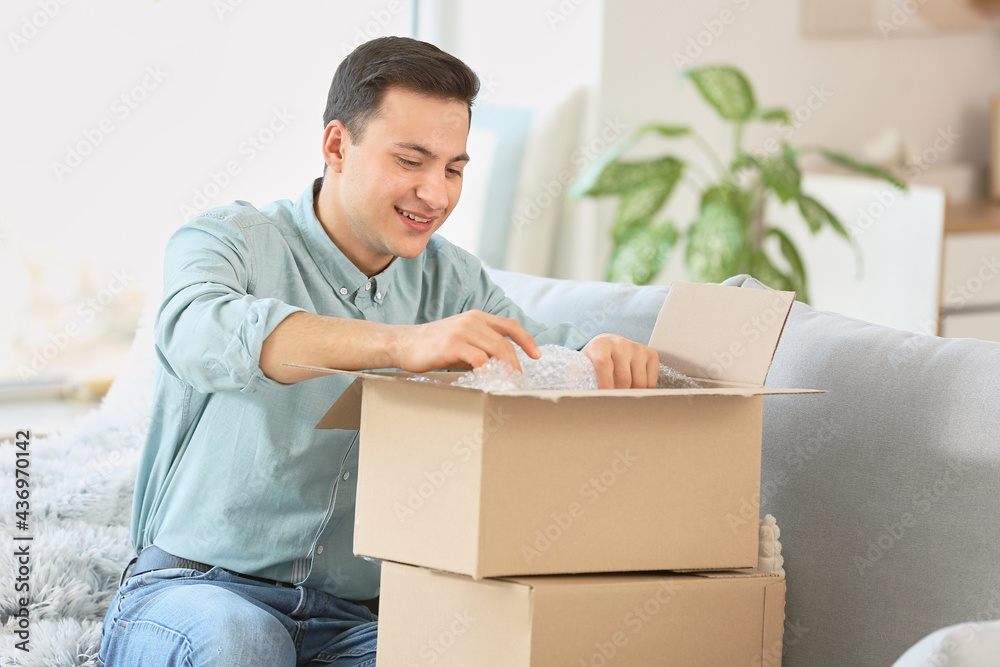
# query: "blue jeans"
{"points": [[179, 617]]}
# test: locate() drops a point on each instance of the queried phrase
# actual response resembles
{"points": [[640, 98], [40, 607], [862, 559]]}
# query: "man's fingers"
{"points": [[653, 370], [492, 340], [645, 367], [512, 329]]}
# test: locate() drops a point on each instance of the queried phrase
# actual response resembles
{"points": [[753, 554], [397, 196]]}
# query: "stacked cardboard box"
{"points": [[577, 527]]}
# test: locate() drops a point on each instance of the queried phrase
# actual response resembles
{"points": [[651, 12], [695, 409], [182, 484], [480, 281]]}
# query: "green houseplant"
{"points": [[731, 234]]}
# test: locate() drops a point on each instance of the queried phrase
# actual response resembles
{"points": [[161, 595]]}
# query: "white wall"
{"points": [[199, 80], [533, 53]]}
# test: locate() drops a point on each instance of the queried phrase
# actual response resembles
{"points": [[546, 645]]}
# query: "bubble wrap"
{"points": [[557, 368], [671, 379], [769, 558]]}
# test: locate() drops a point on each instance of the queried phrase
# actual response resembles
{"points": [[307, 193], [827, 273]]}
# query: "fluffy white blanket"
{"points": [[81, 500]]}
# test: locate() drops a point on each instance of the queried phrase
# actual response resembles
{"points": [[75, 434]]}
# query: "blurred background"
{"points": [[125, 119]]}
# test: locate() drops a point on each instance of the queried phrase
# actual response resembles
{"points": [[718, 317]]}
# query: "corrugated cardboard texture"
{"points": [[720, 333], [659, 619], [419, 471], [489, 485], [430, 618], [609, 485]]}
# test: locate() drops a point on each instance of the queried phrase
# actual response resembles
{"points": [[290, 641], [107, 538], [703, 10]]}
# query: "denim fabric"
{"points": [[179, 617]]}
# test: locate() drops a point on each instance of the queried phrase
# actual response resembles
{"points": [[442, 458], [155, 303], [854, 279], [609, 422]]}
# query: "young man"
{"points": [[243, 513]]}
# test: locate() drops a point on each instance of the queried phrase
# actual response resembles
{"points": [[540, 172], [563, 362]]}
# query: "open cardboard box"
{"points": [[505, 483], [717, 619]]}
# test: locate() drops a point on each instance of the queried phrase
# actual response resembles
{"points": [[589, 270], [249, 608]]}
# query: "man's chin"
{"points": [[411, 250]]}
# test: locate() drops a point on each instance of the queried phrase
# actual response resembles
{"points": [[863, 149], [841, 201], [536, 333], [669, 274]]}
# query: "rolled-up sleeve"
{"points": [[210, 328]]}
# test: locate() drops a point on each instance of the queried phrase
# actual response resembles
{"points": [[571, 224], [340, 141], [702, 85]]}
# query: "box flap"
{"points": [[774, 623], [720, 333], [346, 412], [733, 574]]}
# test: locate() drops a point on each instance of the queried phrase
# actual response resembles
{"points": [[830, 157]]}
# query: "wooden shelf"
{"points": [[973, 216]]}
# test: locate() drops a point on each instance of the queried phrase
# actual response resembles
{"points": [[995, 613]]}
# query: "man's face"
{"points": [[402, 181]]}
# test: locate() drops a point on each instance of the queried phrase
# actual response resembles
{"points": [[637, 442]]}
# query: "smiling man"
{"points": [[243, 514]]}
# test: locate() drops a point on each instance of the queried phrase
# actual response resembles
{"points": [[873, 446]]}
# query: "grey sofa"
{"points": [[886, 488]]}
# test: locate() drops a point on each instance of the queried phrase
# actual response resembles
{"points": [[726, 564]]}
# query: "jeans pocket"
{"points": [[141, 582]]}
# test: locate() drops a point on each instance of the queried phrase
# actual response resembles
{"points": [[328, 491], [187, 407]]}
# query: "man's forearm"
{"points": [[462, 341], [330, 342]]}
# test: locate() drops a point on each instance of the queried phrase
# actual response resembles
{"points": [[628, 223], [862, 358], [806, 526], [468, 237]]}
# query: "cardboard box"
{"points": [[550, 482], [719, 619]]}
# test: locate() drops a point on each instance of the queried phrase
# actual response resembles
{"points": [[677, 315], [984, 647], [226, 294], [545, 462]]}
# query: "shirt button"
{"points": [[319, 549], [378, 295], [343, 290], [368, 285], [346, 475]]}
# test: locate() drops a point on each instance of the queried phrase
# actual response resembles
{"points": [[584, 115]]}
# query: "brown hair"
{"points": [[363, 77]]}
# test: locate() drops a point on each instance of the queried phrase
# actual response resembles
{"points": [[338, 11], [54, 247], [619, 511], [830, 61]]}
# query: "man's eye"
{"points": [[408, 163], [455, 172]]}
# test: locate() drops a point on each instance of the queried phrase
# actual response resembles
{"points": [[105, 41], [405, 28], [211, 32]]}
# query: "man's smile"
{"points": [[414, 217]]}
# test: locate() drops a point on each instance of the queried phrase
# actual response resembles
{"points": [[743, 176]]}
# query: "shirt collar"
{"points": [[345, 278]]}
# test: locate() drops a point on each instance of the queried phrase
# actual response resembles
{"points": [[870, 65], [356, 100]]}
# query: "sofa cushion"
{"points": [[962, 645]]}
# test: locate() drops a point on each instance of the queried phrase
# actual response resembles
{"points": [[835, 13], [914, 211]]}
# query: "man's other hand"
{"points": [[621, 363]]}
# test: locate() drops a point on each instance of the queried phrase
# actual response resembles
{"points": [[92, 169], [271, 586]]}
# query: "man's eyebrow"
{"points": [[426, 152]]}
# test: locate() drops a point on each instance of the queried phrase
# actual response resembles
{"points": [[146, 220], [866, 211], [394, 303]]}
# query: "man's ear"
{"points": [[335, 139]]}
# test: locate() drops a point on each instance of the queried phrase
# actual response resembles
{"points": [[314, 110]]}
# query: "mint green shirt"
{"points": [[232, 472]]}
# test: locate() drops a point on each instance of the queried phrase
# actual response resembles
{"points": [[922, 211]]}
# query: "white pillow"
{"points": [[961, 645]]}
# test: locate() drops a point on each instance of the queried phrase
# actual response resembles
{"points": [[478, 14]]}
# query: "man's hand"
{"points": [[621, 363], [463, 341], [460, 342]]}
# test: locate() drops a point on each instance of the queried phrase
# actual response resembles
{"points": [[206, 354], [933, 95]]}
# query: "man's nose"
{"points": [[434, 191]]}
